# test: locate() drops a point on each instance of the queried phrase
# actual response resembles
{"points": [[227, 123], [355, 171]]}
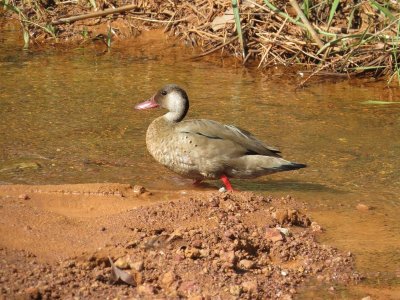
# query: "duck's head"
{"points": [[170, 97]]}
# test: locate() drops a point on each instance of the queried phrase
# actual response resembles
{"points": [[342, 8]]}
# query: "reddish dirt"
{"points": [[57, 242]]}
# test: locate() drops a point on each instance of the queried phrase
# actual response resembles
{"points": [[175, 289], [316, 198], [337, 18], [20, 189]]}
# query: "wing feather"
{"points": [[215, 130]]}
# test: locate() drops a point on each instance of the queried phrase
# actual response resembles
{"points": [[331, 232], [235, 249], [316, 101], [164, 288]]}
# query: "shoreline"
{"points": [[268, 37]]}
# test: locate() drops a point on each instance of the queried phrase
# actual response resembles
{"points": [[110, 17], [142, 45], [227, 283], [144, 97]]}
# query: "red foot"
{"points": [[228, 185]]}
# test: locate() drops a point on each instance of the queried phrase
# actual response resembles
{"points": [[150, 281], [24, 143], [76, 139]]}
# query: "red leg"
{"points": [[228, 185]]}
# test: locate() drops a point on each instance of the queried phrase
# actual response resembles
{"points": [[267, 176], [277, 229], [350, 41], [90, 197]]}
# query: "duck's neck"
{"points": [[177, 115]]}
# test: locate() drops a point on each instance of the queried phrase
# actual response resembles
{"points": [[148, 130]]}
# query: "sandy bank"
{"points": [[56, 241]]}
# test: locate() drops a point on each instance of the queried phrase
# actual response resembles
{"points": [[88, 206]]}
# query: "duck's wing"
{"points": [[214, 130]]}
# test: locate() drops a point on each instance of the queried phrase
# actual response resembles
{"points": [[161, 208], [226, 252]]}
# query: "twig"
{"points": [[169, 23], [326, 73], [270, 45], [301, 84], [207, 34], [159, 21], [215, 49], [310, 28], [94, 14]]}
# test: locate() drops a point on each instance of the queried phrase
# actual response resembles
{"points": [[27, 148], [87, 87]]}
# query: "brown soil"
{"points": [[57, 242]]}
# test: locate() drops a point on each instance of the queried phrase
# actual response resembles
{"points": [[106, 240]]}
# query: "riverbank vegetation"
{"points": [[351, 37]]}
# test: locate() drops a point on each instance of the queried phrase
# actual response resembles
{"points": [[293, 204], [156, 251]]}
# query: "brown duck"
{"points": [[204, 149]]}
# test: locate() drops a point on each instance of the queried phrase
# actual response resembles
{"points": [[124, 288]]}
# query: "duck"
{"points": [[202, 149]]}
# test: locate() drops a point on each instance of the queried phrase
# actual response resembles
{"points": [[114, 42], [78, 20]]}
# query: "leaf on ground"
{"points": [[119, 275], [219, 22]]}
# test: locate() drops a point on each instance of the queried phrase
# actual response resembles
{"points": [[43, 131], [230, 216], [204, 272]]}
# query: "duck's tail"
{"points": [[250, 166], [291, 166]]}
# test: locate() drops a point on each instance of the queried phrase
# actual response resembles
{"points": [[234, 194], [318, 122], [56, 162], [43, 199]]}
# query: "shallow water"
{"points": [[67, 117]]}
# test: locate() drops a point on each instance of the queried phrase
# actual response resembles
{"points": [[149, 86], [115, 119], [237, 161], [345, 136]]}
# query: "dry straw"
{"points": [[354, 37]]}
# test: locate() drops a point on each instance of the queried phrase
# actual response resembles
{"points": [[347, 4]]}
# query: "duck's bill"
{"points": [[151, 103]]}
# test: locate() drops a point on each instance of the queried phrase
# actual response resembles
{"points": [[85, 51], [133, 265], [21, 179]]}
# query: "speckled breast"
{"points": [[168, 148]]}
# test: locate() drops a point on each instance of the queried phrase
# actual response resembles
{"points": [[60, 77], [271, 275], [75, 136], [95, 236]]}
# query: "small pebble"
{"points": [[250, 286], [235, 290], [122, 263], [284, 231], [362, 207], [315, 227], [168, 278], [281, 215], [273, 234], [24, 197], [137, 266], [138, 190], [246, 264]]}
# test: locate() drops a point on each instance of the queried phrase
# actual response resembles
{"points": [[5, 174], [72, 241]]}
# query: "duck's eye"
{"points": [[164, 93]]}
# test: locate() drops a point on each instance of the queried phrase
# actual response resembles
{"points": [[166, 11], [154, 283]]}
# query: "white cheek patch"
{"points": [[174, 101]]}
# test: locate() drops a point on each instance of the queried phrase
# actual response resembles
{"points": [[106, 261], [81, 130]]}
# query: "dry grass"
{"points": [[355, 37]]}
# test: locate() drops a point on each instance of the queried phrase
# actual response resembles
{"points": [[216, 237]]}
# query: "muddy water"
{"points": [[67, 117]]}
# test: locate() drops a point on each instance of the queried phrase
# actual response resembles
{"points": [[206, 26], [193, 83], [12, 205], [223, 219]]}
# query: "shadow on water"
{"points": [[271, 186], [284, 185]]}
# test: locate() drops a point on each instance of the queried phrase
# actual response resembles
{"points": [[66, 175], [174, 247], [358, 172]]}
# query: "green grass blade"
{"points": [[51, 30], [395, 54], [306, 8], [283, 14], [359, 37], [93, 3], [383, 10], [238, 26], [334, 7], [11, 7], [274, 9]]}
